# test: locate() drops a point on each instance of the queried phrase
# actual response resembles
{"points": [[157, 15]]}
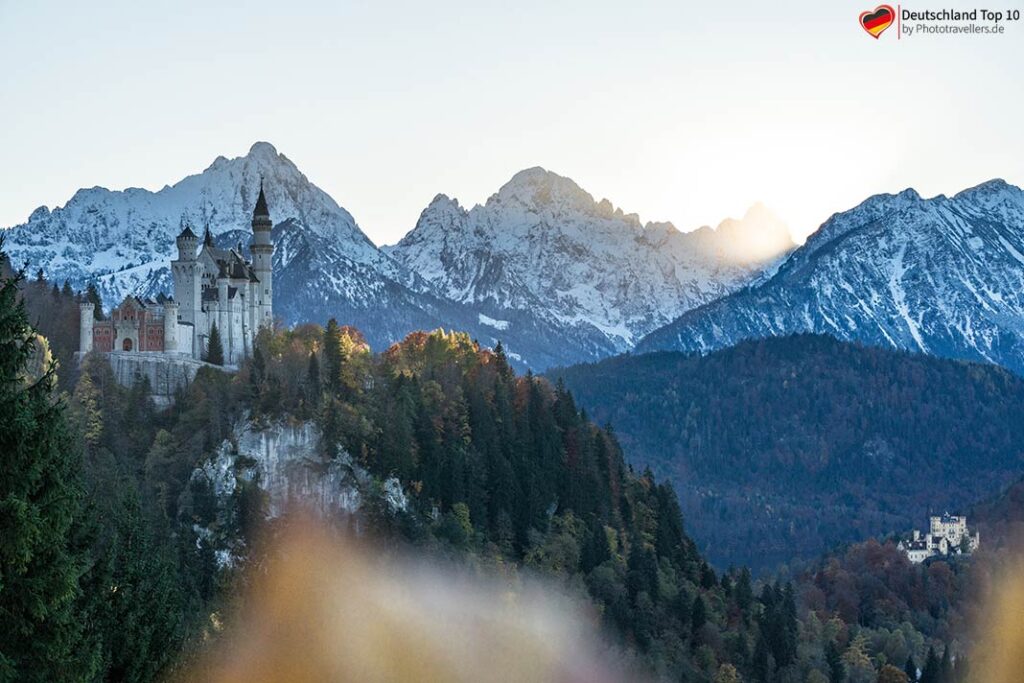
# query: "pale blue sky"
{"points": [[676, 111]]}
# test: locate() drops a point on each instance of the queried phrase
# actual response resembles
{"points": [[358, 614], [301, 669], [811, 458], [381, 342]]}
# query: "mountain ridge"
{"points": [[942, 275], [325, 265], [543, 242]]}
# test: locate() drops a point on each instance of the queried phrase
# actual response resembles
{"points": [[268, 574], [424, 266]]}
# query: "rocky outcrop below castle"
{"points": [[283, 461]]}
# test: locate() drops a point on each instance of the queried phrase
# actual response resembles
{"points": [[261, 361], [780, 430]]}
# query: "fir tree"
{"points": [[313, 380], [332, 356], [698, 614], [962, 670], [744, 591], [834, 659], [946, 666], [41, 638], [257, 376], [144, 613], [92, 295], [763, 664], [910, 668], [214, 347], [932, 670]]}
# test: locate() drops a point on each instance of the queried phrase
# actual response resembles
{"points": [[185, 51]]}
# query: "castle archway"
{"points": [[127, 345]]}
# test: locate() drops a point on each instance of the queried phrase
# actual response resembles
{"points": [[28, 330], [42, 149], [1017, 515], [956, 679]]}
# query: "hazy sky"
{"points": [[674, 110]]}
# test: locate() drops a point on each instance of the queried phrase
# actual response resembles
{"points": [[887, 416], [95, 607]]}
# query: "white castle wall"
{"points": [[166, 372]]}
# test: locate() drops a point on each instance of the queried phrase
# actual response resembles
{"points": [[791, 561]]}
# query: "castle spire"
{"points": [[261, 204], [262, 250], [207, 237]]}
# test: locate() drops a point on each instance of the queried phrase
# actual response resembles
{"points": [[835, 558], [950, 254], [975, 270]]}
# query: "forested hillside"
{"points": [[499, 467], [782, 448], [503, 473]]}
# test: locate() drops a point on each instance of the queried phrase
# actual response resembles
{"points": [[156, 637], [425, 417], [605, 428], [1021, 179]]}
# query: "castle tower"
{"points": [[187, 274], [171, 326], [85, 316], [262, 256], [223, 317]]}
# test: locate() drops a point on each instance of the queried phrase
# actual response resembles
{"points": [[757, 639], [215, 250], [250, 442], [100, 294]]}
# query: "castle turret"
{"points": [[187, 241], [187, 274], [171, 326], [262, 257], [85, 317]]}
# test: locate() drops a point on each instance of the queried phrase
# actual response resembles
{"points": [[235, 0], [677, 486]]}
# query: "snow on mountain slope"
{"points": [[943, 276], [124, 240], [324, 266], [544, 245]]}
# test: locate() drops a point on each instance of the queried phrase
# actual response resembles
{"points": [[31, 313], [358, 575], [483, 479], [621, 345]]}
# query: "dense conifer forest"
{"points": [[782, 448], [103, 576]]}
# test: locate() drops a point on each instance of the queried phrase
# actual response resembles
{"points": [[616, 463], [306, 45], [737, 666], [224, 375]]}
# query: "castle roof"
{"points": [[231, 264], [187, 234], [213, 294]]}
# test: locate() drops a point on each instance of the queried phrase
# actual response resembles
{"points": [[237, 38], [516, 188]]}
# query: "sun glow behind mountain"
{"points": [[682, 116]]}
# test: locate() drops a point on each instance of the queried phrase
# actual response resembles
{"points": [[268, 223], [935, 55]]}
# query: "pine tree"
{"points": [[85, 410], [910, 668], [92, 295], [744, 591], [257, 376], [698, 614], [932, 668], [946, 666], [214, 347], [313, 380], [763, 664], [788, 626], [332, 356], [140, 613], [962, 670], [501, 360], [40, 496], [834, 659]]}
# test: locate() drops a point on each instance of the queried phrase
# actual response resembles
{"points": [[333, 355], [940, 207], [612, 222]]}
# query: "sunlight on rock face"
{"points": [[330, 610]]}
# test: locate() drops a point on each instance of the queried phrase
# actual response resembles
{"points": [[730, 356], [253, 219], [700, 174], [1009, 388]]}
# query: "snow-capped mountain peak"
{"points": [[543, 244], [943, 275], [123, 241]]}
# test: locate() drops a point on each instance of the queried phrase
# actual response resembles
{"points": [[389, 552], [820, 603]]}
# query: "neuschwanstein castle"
{"points": [[212, 287]]}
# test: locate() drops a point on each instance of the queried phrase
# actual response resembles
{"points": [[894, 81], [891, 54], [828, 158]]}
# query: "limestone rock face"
{"points": [[289, 468], [284, 460]]}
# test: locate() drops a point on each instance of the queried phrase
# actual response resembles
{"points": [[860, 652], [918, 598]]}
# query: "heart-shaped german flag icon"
{"points": [[877, 20]]}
